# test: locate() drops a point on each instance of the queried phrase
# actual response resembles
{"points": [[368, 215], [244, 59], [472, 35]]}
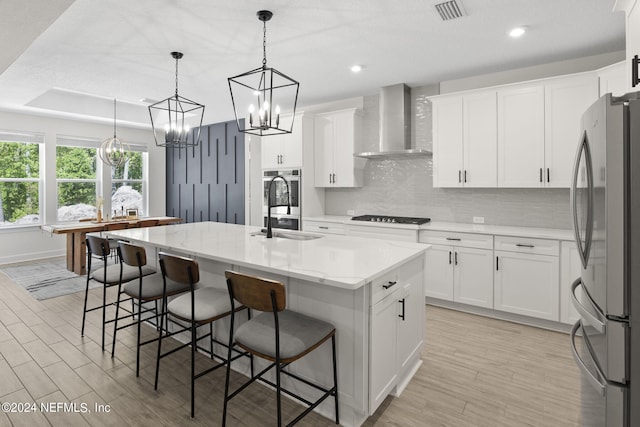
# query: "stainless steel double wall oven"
{"points": [[281, 195]]}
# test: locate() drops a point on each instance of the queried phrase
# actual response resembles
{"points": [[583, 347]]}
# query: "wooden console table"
{"points": [[77, 235]]}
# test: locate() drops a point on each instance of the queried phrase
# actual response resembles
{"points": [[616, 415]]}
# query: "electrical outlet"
{"points": [[478, 220], [351, 212]]}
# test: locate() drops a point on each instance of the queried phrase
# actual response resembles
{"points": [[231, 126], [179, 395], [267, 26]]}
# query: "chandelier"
{"points": [[260, 95], [173, 118], [113, 151]]}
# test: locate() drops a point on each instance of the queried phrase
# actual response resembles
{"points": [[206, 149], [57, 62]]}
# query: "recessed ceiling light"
{"points": [[356, 68], [517, 32]]}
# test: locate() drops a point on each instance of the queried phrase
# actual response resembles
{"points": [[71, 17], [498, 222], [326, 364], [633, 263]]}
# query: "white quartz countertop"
{"points": [[458, 227], [341, 261]]}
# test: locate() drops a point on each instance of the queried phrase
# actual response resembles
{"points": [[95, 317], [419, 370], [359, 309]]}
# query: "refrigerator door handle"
{"points": [[593, 316], [595, 382], [583, 149]]}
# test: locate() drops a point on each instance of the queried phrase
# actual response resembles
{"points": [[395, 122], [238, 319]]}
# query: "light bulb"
{"points": [[277, 109], [251, 109], [166, 128]]}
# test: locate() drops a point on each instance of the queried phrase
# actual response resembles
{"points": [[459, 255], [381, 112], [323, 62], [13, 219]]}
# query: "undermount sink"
{"points": [[285, 235]]}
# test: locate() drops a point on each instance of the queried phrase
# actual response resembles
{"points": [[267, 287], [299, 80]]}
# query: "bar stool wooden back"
{"points": [[201, 306], [278, 335], [107, 275], [151, 289]]}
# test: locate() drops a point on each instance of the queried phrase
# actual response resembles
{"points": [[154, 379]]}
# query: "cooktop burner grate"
{"points": [[391, 219]]}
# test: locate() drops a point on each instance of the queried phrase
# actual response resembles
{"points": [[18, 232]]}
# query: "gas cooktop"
{"points": [[391, 219]]}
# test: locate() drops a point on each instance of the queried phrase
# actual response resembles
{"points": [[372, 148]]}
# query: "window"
{"points": [[79, 174], [20, 179], [128, 183]]}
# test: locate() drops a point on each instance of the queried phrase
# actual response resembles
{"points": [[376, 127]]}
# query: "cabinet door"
{"points": [[447, 142], [613, 79], [473, 277], [438, 282], [323, 150], [383, 356], [346, 134], [271, 151], [291, 151], [527, 284], [521, 136], [570, 269], [410, 322], [480, 140], [565, 101]]}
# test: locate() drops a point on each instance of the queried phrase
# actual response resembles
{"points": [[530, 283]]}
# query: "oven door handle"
{"points": [[596, 320], [600, 386]]}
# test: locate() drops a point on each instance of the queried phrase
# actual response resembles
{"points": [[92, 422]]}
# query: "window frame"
{"points": [[22, 137]]}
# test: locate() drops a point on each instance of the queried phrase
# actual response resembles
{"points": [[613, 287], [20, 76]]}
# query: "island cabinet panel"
{"points": [[206, 182]]}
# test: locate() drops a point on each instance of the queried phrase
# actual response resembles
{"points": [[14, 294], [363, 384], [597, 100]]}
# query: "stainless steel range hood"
{"points": [[395, 126]]}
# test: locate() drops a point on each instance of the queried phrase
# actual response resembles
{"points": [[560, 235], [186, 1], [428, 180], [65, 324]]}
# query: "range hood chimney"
{"points": [[395, 126]]}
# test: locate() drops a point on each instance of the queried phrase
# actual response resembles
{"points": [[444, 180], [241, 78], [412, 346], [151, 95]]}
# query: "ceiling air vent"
{"points": [[450, 10]]}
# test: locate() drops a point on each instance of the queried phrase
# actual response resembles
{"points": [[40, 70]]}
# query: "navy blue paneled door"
{"points": [[206, 182]]}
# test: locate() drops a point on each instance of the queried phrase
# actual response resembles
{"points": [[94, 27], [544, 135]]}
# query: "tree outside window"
{"points": [[19, 180], [128, 185], [76, 172]]}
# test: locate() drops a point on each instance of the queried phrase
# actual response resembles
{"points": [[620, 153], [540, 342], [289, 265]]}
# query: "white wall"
{"points": [[30, 242]]}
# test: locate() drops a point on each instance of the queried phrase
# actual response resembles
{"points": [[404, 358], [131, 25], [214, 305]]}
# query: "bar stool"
{"points": [[147, 223], [151, 289], [201, 306], [99, 247], [278, 335]]}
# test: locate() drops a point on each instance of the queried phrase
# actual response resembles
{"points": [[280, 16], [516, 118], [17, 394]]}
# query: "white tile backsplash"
{"points": [[405, 187]]}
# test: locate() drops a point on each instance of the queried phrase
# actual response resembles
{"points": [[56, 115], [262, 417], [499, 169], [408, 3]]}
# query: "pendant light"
{"points": [[260, 95], [173, 119], [113, 151]]}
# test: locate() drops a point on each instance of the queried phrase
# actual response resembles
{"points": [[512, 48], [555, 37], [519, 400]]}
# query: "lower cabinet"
{"points": [[462, 270], [527, 282], [570, 269], [397, 319]]}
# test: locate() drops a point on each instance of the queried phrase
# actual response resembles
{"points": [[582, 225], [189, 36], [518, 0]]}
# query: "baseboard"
{"points": [[32, 256]]}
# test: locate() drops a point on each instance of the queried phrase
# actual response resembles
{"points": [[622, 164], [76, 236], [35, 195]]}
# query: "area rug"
{"points": [[46, 278]]}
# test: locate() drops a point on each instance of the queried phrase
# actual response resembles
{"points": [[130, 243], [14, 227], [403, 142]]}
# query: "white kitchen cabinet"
{"points": [[465, 140], [381, 232], [461, 270], [565, 100], [338, 135], [613, 79], [397, 316], [326, 227], [527, 282], [520, 135], [285, 150], [570, 269], [447, 142]]}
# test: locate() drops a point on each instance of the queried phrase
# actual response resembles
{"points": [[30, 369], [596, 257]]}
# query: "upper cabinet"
{"points": [[517, 135], [337, 135], [284, 150], [613, 79], [520, 135], [465, 140]]}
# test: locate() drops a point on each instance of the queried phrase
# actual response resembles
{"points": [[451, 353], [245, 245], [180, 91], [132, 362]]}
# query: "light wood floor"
{"points": [[476, 372]]}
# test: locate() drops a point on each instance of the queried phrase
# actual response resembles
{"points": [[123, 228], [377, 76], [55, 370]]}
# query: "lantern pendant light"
{"points": [[259, 96], [113, 151], [173, 119]]}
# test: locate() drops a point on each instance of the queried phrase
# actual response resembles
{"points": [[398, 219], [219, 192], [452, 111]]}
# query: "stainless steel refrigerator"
{"points": [[605, 202]]}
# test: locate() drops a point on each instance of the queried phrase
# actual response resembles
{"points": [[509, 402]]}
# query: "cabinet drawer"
{"points": [[383, 286], [527, 245], [385, 233], [324, 227], [468, 240]]}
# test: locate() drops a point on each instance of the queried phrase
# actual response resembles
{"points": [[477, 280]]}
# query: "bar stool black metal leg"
{"points": [[155, 384], [115, 327], [139, 322], [278, 397], [86, 294], [211, 338], [193, 367], [335, 377], [104, 311]]}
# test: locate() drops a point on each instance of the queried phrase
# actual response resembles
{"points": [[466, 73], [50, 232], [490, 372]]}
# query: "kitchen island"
{"points": [[371, 291]]}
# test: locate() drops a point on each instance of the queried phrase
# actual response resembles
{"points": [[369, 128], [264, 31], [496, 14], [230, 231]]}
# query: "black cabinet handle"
{"points": [[334, 178], [402, 315], [548, 175], [522, 245], [449, 257], [453, 238], [635, 61], [540, 174], [389, 285], [323, 227], [455, 258], [465, 176], [459, 175], [497, 264]]}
